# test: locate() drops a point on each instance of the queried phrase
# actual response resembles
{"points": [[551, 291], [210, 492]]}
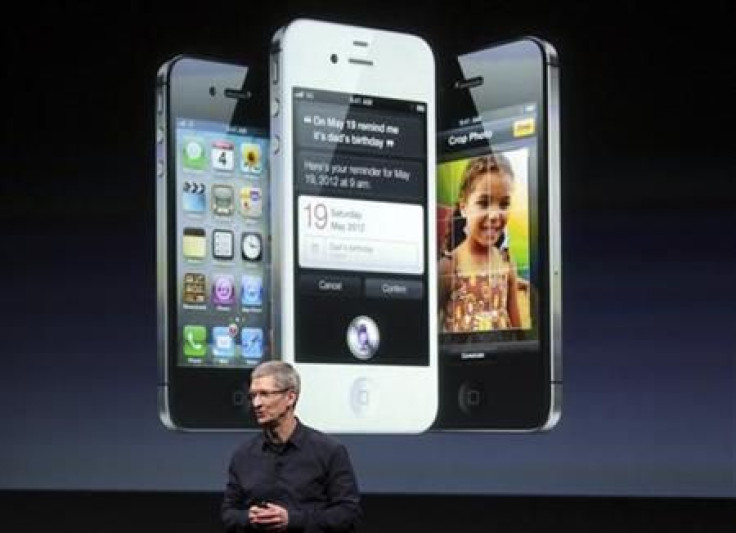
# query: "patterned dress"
{"points": [[479, 301]]}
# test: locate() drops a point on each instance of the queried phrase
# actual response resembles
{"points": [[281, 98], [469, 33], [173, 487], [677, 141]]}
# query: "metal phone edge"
{"points": [[275, 75], [161, 180], [552, 109]]}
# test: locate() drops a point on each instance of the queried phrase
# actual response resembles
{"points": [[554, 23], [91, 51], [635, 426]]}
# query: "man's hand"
{"points": [[268, 516]]}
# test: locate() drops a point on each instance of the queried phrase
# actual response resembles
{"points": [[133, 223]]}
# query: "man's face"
{"points": [[268, 401]]}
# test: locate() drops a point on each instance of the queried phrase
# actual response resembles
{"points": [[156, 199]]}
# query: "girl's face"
{"points": [[486, 207]]}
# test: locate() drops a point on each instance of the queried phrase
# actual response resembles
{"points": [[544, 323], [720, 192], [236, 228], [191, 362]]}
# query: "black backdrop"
{"points": [[648, 246]]}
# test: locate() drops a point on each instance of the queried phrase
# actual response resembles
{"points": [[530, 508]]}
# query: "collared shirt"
{"points": [[310, 475]]}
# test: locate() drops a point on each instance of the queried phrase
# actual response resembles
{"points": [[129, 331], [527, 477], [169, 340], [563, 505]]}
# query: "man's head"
{"points": [[274, 390]]}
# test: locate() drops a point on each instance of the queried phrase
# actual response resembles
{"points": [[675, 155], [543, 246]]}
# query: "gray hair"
{"points": [[285, 375]]}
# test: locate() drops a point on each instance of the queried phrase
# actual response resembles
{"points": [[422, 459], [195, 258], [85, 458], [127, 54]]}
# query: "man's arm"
{"points": [[234, 510], [342, 512]]}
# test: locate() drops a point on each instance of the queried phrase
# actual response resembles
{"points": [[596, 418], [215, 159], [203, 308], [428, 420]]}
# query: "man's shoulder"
{"points": [[249, 443], [320, 438]]}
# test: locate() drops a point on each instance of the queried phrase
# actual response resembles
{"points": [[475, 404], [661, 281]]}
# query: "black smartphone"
{"points": [[498, 239], [212, 240]]}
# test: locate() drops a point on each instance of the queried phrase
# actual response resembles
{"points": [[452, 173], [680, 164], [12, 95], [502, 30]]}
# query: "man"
{"points": [[290, 476]]}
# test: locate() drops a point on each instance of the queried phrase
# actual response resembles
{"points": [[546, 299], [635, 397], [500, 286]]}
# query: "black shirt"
{"points": [[310, 475]]}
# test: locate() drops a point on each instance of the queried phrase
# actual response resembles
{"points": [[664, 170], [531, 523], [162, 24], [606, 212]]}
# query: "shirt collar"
{"points": [[296, 439], [299, 435]]}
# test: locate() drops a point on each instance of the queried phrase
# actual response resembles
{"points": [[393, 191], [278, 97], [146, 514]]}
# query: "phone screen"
{"points": [[360, 189], [488, 233], [222, 199], [213, 235], [494, 264]]}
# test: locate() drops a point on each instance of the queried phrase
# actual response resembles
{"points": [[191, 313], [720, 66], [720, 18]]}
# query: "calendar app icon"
{"points": [[223, 155]]}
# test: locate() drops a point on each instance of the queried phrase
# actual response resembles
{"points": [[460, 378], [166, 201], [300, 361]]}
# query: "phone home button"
{"points": [[363, 396], [471, 397], [238, 398]]}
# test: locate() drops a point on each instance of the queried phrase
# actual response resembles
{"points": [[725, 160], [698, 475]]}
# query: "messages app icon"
{"points": [[193, 153]]}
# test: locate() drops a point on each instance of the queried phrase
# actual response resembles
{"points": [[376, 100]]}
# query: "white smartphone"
{"points": [[353, 133]]}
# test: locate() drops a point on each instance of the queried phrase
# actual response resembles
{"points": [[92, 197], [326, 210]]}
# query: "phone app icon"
{"points": [[223, 244], [251, 202], [223, 289], [250, 158], [195, 288], [252, 344], [223, 155], [223, 344], [194, 244], [195, 341], [193, 154], [251, 292], [193, 197], [223, 202]]}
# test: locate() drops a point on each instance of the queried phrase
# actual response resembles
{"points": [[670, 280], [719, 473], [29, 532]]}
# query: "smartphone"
{"points": [[213, 219], [498, 239], [353, 135]]}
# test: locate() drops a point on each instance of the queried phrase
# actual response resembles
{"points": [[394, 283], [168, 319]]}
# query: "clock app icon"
{"points": [[252, 246]]}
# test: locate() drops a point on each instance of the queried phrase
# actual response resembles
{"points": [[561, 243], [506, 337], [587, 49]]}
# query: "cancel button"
{"points": [[338, 285], [398, 289]]}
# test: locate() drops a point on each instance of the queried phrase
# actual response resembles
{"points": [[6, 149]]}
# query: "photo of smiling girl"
{"points": [[480, 289]]}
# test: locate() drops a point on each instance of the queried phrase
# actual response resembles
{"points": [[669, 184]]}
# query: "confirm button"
{"points": [[395, 289]]}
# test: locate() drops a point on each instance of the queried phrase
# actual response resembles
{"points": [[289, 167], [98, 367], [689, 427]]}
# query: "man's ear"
{"points": [[292, 397]]}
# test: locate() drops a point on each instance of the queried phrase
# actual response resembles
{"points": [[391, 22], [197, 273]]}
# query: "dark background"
{"points": [[648, 430]]}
